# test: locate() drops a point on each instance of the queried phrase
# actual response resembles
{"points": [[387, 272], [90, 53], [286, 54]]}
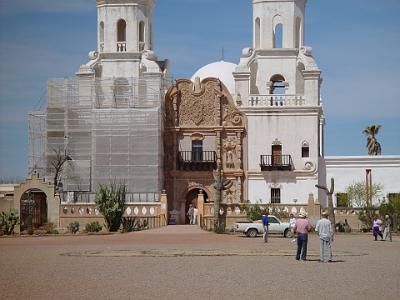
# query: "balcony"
{"points": [[276, 100], [197, 160], [276, 163]]}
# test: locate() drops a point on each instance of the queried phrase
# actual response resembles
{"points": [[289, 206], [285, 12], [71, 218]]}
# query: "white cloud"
{"points": [[45, 6]]}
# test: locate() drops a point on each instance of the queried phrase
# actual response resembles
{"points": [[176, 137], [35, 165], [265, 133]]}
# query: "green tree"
{"points": [[110, 201], [392, 208], [357, 193], [342, 200], [374, 148]]}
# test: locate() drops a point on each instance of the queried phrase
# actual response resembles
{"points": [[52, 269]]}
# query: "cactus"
{"points": [[110, 201], [8, 220], [220, 184]]}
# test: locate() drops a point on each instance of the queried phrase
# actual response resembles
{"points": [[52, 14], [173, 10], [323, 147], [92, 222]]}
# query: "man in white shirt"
{"points": [[325, 232]]}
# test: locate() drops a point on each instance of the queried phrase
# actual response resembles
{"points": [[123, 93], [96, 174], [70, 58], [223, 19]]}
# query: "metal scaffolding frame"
{"points": [[109, 129]]}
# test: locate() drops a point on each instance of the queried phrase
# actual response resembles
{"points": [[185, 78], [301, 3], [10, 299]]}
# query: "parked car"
{"points": [[253, 228]]}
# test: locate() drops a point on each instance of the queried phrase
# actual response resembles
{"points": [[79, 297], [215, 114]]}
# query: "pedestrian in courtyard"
{"points": [[387, 231], [292, 223], [376, 230], [265, 221], [195, 214], [325, 233], [190, 213], [302, 227]]}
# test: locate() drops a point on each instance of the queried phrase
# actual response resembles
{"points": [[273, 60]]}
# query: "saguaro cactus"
{"points": [[220, 184]]}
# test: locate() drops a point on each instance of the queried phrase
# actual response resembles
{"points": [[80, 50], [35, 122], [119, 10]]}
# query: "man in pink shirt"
{"points": [[302, 227]]}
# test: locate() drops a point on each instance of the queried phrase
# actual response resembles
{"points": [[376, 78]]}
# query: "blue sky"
{"points": [[356, 44]]}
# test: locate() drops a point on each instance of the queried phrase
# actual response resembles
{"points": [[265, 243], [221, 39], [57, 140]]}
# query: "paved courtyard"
{"points": [[183, 262]]}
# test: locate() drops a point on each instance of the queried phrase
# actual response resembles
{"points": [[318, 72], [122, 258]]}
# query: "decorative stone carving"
{"points": [[309, 166], [239, 100], [197, 109], [229, 147]]}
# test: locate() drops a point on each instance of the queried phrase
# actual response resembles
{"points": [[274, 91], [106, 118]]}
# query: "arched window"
{"points": [[121, 31], [141, 35], [278, 36], [257, 33], [277, 85], [101, 35]]}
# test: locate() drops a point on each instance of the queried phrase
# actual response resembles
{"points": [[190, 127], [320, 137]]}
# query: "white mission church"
{"points": [[262, 120]]}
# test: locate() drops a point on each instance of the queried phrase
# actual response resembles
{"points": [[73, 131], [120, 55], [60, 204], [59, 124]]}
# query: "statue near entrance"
{"points": [[220, 184]]}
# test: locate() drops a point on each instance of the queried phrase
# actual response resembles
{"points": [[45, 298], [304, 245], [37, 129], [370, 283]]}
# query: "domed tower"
{"points": [[277, 85], [124, 33]]}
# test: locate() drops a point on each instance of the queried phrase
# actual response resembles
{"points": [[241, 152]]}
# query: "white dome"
{"points": [[222, 70]]}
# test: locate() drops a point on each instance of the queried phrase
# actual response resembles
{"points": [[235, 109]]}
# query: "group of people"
{"points": [[192, 213], [301, 226], [377, 227]]}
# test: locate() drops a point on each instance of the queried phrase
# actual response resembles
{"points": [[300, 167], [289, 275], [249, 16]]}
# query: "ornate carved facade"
{"points": [[203, 129]]}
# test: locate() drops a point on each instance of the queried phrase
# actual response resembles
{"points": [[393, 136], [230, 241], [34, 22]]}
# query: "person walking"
{"points": [[195, 214], [302, 227], [190, 213], [375, 228], [292, 222], [265, 221], [325, 233], [387, 231]]}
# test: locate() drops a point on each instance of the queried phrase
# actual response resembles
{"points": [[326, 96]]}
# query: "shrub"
{"points": [[254, 212], [367, 215], [130, 224], [73, 227], [110, 201], [50, 228], [8, 220], [93, 227]]}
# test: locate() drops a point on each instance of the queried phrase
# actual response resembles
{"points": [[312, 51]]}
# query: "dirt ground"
{"points": [[183, 262]]}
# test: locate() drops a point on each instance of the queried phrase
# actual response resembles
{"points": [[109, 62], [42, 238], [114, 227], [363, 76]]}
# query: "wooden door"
{"points": [[276, 154]]}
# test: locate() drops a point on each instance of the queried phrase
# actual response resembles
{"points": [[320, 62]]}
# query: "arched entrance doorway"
{"points": [[33, 208], [191, 198]]}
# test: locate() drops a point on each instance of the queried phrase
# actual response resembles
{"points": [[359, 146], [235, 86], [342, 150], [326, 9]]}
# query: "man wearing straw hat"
{"points": [[325, 232], [302, 227]]}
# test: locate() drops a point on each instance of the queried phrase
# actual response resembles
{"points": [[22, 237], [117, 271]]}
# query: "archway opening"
{"points": [[191, 198], [33, 209]]}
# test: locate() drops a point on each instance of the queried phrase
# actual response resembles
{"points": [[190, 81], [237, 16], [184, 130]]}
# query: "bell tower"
{"points": [[277, 86], [124, 26], [278, 24]]}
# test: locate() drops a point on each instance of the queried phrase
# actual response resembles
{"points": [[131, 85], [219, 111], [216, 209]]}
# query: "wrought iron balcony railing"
{"points": [[197, 160], [276, 163]]}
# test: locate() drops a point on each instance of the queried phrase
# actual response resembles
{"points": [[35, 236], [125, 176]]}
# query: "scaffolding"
{"points": [[110, 130]]}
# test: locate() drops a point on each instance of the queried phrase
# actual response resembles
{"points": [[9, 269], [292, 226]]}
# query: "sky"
{"points": [[355, 43]]}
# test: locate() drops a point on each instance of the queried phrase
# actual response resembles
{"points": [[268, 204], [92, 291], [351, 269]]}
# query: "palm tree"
{"points": [[374, 148]]}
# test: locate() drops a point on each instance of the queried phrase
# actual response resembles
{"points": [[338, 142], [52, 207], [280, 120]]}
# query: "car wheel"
{"points": [[252, 232], [288, 233]]}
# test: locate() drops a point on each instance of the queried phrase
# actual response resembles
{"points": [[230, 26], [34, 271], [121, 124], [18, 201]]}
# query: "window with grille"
{"points": [[275, 195]]}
